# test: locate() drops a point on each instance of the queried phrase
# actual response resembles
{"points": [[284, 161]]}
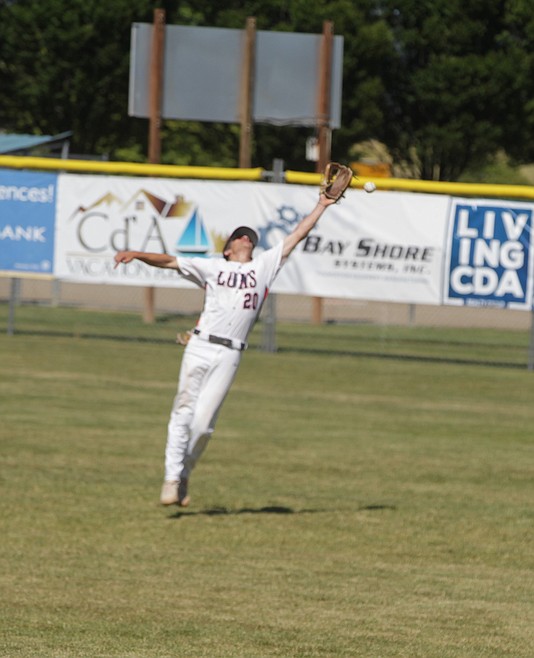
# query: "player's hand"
{"points": [[325, 201], [123, 257]]}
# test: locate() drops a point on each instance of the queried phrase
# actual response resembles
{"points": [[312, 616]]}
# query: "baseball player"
{"points": [[235, 289]]}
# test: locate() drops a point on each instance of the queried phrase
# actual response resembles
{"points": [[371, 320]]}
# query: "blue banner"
{"points": [[490, 255], [27, 221]]}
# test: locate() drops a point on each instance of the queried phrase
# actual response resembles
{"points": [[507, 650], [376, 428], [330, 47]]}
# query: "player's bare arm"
{"points": [[306, 225], [156, 260]]}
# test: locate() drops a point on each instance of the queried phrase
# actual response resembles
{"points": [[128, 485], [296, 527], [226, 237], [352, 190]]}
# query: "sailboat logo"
{"points": [[194, 239]]}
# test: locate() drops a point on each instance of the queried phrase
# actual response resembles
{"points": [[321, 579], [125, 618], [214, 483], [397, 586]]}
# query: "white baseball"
{"points": [[369, 187]]}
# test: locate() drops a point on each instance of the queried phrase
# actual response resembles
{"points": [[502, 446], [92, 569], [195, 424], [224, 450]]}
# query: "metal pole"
{"points": [[530, 363], [268, 343], [411, 315], [13, 301], [55, 298]]}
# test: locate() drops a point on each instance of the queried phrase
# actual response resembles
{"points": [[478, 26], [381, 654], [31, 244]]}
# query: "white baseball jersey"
{"points": [[234, 292]]}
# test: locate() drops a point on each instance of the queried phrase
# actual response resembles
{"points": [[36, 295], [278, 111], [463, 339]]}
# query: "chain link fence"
{"points": [[480, 335]]}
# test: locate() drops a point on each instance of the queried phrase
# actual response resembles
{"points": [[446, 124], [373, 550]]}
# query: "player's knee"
{"points": [[180, 417]]}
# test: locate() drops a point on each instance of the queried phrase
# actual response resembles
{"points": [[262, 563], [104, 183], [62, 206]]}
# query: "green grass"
{"points": [[346, 506]]}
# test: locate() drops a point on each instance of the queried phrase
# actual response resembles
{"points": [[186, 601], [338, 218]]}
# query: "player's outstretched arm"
{"points": [[305, 225], [156, 260]]}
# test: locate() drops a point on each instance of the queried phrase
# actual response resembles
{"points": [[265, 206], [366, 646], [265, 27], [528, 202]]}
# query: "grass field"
{"points": [[348, 505]]}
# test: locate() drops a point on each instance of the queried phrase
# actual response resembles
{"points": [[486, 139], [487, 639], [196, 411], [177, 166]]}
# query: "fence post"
{"points": [[13, 301], [530, 363], [155, 98], [268, 343], [324, 132]]}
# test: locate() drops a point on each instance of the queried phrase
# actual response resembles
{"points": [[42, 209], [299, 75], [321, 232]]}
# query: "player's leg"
{"points": [[195, 365], [215, 387], [193, 369], [206, 375]]}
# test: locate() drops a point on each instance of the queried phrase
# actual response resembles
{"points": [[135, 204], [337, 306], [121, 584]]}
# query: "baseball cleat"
{"points": [[174, 492], [169, 493], [183, 496]]}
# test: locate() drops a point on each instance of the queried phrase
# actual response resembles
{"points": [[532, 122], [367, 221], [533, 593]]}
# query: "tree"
{"points": [[444, 84], [64, 66], [517, 38], [454, 84]]}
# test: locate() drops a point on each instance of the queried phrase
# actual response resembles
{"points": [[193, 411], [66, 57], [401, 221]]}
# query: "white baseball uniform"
{"points": [[234, 294]]}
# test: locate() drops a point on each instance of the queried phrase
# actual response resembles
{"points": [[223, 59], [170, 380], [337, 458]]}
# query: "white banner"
{"points": [[385, 246]]}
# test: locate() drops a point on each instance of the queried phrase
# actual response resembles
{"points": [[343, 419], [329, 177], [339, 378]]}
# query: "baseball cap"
{"points": [[239, 233]]}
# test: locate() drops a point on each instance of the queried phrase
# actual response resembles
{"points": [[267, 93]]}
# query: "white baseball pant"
{"points": [[206, 374]]}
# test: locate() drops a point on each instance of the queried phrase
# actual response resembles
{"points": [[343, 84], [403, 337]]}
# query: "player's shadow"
{"points": [[273, 509], [225, 511]]}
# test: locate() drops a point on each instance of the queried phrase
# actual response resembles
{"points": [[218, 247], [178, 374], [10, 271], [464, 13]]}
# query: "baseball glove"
{"points": [[336, 179]]}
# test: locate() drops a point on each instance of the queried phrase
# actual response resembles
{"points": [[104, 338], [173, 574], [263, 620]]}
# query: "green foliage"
{"points": [[458, 84], [191, 143], [64, 66], [444, 85], [498, 170]]}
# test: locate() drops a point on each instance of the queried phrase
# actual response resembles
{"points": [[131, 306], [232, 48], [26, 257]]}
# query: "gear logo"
{"points": [[277, 229]]}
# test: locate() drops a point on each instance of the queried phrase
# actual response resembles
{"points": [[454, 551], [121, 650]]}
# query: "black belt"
{"points": [[227, 342]]}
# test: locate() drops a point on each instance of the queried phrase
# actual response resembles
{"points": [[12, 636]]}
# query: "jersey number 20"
{"points": [[251, 301]]}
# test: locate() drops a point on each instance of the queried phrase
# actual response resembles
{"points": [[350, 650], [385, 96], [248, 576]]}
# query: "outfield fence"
{"points": [[484, 334]]}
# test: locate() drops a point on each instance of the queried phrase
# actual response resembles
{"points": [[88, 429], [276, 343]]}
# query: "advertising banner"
{"points": [[381, 246], [100, 215], [489, 254], [384, 247], [27, 216]]}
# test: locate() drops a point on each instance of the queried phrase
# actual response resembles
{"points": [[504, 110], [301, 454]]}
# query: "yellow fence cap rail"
{"points": [[130, 168], [259, 174], [431, 187]]}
